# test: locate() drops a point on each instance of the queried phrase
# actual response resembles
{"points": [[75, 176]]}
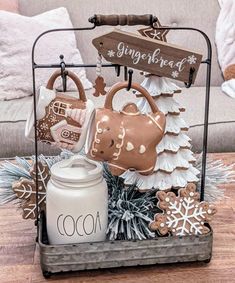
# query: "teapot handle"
{"points": [[120, 85], [73, 77]]}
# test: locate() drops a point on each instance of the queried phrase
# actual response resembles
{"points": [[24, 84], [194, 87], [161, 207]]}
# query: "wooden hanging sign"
{"points": [[149, 55]]}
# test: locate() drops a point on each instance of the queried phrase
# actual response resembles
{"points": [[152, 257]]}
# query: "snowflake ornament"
{"points": [[111, 53], [25, 190], [183, 214], [175, 74], [192, 59]]}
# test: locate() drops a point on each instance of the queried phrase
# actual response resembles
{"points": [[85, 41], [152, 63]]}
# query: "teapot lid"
{"points": [[130, 109], [76, 169]]}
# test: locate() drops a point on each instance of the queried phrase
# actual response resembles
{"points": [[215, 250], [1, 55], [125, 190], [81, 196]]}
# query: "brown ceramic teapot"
{"points": [[126, 139]]}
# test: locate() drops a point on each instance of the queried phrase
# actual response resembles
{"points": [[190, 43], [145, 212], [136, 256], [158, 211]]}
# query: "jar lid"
{"points": [[77, 169]]}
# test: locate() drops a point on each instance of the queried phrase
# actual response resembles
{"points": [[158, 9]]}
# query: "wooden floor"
{"points": [[19, 258]]}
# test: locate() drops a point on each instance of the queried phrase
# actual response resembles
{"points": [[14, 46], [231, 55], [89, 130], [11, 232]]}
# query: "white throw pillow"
{"points": [[17, 34]]}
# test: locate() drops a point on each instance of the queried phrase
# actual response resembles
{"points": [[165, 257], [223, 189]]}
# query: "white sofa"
{"points": [[194, 13]]}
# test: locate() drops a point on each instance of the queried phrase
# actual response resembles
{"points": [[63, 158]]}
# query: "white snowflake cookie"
{"points": [[182, 214]]}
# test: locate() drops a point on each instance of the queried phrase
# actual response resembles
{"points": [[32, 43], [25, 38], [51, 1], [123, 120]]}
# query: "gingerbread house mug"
{"points": [[62, 119], [126, 139]]}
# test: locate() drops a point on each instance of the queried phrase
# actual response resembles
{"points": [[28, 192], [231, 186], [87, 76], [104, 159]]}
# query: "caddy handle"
{"points": [[123, 20]]}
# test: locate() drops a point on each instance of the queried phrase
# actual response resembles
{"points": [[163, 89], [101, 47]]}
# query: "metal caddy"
{"points": [[170, 249]]}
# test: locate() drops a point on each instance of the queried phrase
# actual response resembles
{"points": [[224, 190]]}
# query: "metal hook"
{"points": [[125, 73], [64, 73], [190, 79], [118, 70], [130, 73], [128, 76]]}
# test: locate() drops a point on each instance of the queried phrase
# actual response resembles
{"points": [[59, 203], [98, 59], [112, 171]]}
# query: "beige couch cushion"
{"points": [[200, 14], [17, 36], [221, 128], [10, 5]]}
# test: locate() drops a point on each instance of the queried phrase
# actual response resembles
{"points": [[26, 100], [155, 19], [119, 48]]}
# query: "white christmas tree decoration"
{"points": [[174, 166]]}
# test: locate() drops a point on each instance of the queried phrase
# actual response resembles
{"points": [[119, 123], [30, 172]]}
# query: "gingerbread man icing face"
{"points": [[108, 141]]}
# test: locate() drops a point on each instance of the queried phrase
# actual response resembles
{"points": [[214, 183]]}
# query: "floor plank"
{"points": [[19, 255]]}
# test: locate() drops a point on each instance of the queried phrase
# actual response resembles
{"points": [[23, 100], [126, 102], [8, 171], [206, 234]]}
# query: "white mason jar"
{"points": [[77, 202]]}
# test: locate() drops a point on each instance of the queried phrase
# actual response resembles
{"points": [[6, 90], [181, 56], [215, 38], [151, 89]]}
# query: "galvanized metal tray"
{"points": [[75, 257]]}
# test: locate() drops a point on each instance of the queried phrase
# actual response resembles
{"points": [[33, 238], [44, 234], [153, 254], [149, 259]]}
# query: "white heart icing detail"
{"points": [[142, 149], [129, 146]]}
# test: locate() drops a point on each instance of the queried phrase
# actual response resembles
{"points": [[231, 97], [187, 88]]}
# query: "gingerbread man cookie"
{"points": [[99, 86]]}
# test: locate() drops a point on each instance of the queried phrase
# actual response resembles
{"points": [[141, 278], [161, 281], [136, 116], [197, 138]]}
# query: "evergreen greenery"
{"points": [[130, 211]]}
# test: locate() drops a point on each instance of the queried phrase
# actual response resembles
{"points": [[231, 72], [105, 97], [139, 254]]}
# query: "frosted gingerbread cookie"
{"points": [[182, 214], [25, 190]]}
